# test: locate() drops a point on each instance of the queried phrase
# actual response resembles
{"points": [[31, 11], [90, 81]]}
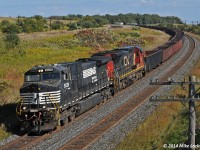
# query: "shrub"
{"points": [[3, 46], [57, 25], [95, 37], [87, 24], [72, 26], [11, 28], [11, 40]]}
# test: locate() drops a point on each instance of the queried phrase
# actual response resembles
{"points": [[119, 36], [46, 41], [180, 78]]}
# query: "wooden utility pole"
{"points": [[192, 117], [191, 100]]}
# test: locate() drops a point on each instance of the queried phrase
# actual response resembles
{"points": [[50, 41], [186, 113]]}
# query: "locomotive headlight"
{"points": [[41, 70], [24, 108], [43, 107]]}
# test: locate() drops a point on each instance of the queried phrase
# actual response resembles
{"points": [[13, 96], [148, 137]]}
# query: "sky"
{"points": [[186, 10]]}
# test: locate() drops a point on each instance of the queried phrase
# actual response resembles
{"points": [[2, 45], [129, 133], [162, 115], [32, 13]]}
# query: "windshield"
{"points": [[32, 78], [42, 77], [50, 76]]}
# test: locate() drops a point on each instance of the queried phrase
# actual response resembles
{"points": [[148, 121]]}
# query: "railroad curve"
{"points": [[91, 135], [96, 130]]}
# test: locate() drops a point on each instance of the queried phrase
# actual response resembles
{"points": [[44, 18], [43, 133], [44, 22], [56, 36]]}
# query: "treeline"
{"points": [[125, 18], [39, 24], [190, 28], [27, 25]]}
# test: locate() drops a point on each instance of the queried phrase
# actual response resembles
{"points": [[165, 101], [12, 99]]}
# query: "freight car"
{"points": [[54, 94], [162, 53]]}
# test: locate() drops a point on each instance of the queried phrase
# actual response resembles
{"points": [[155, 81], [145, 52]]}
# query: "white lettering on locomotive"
{"points": [[89, 72]]}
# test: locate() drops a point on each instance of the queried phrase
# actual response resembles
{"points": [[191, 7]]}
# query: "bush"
{"points": [[11, 40], [3, 46], [11, 28], [72, 26], [56, 25], [87, 24]]}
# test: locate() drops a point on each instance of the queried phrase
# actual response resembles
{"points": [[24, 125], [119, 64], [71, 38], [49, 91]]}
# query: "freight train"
{"points": [[54, 94]]}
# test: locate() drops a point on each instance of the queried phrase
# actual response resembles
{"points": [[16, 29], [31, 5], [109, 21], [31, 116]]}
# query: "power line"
{"points": [[192, 97]]}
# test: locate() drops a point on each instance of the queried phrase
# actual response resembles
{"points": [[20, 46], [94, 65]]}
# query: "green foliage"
{"points": [[32, 25], [189, 28], [11, 40], [7, 27], [11, 28], [28, 25], [38, 17], [132, 38], [87, 24], [132, 34], [38, 24], [68, 17], [178, 132], [72, 26], [2, 45], [100, 20], [56, 25], [5, 23]]}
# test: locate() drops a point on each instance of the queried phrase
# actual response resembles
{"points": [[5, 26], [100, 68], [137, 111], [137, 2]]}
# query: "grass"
{"points": [[36, 49], [167, 125], [152, 38], [42, 35], [12, 20]]}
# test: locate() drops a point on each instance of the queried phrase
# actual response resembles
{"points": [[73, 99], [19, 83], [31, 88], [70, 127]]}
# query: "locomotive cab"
{"points": [[40, 93]]}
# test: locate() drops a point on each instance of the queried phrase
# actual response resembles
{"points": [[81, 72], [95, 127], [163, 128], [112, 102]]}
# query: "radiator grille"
{"points": [[44, 97]]}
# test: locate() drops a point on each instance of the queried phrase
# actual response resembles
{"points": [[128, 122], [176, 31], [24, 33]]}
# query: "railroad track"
{"points": [[90, 135], [19, 142]]}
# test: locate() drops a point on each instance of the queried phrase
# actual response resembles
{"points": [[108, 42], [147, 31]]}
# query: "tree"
{"points": [[87, 24], [11, 28], [11, 40], [30, 25], [38, 17], [57, 25], [72, 26], [4, 24]]}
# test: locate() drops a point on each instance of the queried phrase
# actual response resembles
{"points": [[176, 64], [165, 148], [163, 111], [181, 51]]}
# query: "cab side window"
{"points": [[67, 76]]}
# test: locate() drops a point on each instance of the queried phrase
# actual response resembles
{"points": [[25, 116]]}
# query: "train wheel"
{"points": [[62, 122], [72, 117], [130, 82], [112, 91]]}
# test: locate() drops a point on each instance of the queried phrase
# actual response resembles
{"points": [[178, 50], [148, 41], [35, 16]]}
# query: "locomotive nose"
{"points": [[39, 94], [36, 88]]}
